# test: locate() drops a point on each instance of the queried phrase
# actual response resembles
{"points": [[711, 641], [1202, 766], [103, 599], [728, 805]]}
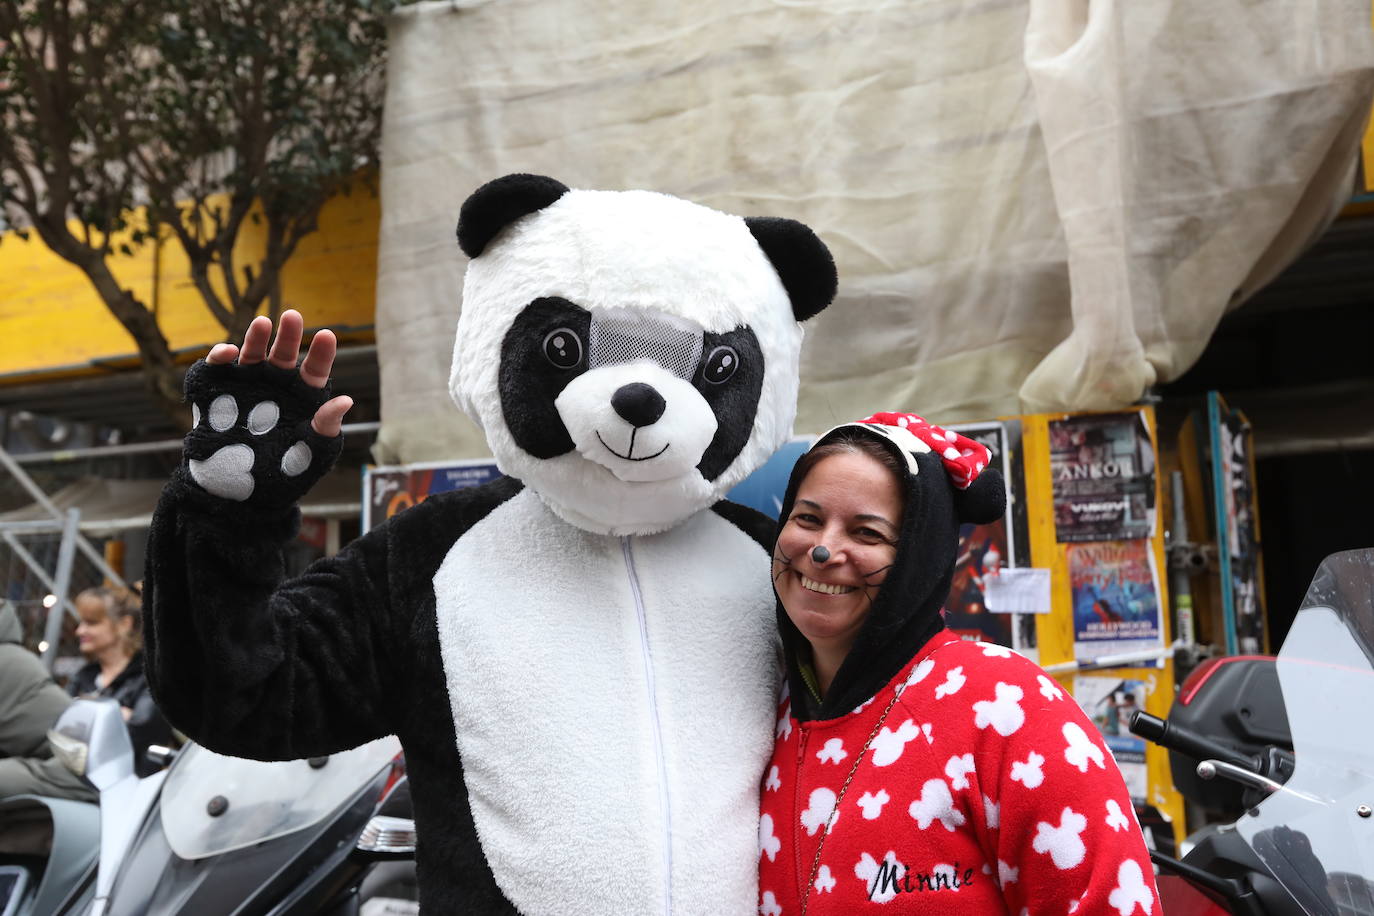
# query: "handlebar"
{"points": [[1177, 738]]}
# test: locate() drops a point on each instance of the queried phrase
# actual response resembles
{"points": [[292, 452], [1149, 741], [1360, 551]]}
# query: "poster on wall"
{"points": [[1103, 470], [391, 489], [1115, 592], [985, 550], [1109, 702], [1238, 528]]}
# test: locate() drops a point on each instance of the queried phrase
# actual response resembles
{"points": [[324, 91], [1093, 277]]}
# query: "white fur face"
{"points": [[667, 449], [529, 304]]}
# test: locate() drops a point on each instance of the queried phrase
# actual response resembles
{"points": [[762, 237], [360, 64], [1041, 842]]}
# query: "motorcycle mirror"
{"points": [[91, 740]]}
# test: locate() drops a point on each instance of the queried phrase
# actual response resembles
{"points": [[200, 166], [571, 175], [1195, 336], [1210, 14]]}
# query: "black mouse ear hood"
{"points": [[947, 482], [984, 501], [500, 202]]}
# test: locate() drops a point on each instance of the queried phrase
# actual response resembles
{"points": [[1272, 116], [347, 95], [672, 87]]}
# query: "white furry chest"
{"points": [[613, 704]]}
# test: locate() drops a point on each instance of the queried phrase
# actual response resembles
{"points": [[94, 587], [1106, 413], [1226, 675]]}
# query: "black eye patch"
{"points": [[544, 349], [730, 379]]}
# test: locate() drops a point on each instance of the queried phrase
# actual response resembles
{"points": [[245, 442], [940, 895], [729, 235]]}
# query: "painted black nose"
{"points": [[639, 404]]}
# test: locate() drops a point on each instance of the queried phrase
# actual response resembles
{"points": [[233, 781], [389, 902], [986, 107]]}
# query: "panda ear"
{"points": [[985, 499], [802, 261], [501, 202]]}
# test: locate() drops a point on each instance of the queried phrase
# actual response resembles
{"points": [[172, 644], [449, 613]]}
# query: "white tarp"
{"points": [[1034, 206]]}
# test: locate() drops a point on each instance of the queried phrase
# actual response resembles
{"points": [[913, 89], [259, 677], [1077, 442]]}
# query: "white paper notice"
{"points": [[1018, 591]]}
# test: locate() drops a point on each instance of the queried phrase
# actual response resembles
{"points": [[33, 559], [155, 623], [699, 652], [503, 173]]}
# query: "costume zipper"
{"points": [[802, 735], [655, 727]]}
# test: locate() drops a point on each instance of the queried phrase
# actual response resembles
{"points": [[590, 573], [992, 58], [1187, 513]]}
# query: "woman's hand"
{"points": [[314, 370]]}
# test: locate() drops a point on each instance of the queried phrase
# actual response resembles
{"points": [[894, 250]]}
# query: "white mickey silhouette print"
{"points": [[992, 813], [1029, 772], [1049, 689], [825, 881], [769, 844], [925, 730], [872, 805], [1115, 818], [820, 807], [769, 906], [917, 675], [1131, 890], [1081, 749], [992, 650], [832, 752], [1063, 843], [784, 729], [936, 804], [954, 682], [1004, 713], [774, 781], [957, 769], [867, 871], [864, 705], [1006, 874], [888, 744]]}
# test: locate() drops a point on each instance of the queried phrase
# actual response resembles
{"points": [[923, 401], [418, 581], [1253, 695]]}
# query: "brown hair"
{"points": [[853, 442], [121, 604]]}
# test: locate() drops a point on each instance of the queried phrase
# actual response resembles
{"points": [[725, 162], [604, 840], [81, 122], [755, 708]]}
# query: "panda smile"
{"points": [[632, 449]]}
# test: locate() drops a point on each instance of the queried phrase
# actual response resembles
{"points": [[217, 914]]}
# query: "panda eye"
{"points": [[563, 348], [720, 365]]}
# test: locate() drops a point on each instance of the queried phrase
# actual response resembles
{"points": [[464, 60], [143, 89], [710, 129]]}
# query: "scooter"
{"points": [[1283, 746], [215, 834]]}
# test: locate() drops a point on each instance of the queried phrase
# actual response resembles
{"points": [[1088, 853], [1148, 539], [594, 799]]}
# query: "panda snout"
{"points": [[638, 404]]}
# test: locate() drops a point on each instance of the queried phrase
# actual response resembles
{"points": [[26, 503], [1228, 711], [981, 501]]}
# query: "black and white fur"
{"points": [[580, 658]]}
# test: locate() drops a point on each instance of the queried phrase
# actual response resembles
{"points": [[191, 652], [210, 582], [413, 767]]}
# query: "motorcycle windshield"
{"points": [[1317, 834], [257, 801]]}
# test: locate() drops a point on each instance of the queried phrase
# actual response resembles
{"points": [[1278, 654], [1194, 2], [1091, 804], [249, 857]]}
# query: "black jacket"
{"points": [[130, 688]]}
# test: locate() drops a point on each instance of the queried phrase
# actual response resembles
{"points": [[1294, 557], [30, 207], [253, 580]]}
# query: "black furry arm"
{"points": [[254, 666]]}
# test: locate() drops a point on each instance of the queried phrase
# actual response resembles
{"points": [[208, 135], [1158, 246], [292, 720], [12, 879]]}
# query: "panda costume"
{"points": [[578, 658]]}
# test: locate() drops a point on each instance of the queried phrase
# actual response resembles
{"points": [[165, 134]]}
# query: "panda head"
{"points": [[630, 356]]}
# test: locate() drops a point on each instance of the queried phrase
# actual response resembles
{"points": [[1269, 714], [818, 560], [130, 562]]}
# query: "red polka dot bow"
{"points": [[964, 458]]}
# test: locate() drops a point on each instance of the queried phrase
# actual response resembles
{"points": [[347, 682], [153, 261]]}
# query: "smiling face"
{"points": [[850, 504]]}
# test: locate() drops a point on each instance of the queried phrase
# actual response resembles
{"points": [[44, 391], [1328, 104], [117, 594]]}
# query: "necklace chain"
{"points": [[816, 862]]}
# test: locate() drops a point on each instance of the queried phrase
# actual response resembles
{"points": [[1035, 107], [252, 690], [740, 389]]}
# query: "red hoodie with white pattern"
{"points": [[984, 790]]}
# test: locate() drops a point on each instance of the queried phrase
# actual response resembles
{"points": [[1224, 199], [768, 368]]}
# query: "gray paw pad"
{"points": [[228, 473], [296, 460], [224, 413]]}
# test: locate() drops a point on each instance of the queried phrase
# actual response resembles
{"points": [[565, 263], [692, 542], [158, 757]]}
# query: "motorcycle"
{"points": [[214, 834], [1282, 746]]}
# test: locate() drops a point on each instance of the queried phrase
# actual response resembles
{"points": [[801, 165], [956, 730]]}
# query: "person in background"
{"points": [[913, 768], [109, 636], [30, 702]]}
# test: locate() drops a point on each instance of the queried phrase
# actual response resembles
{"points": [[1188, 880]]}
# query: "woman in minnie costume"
{"points": [[916, 772]]}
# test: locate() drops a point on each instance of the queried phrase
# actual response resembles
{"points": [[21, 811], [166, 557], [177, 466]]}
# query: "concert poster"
{"points": [[391, 489], [985, 550], [1115, 598], [1103, 468]]}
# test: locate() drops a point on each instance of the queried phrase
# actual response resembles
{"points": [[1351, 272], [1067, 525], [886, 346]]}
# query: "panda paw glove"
{"points": [[251, 442]]}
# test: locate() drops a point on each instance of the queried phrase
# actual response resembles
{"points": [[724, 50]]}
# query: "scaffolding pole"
{"points": [[37, 569], [41, 498], [66, 553]]}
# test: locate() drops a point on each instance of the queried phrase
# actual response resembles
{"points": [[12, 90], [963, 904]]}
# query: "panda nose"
{"points": [[639, 404]]}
